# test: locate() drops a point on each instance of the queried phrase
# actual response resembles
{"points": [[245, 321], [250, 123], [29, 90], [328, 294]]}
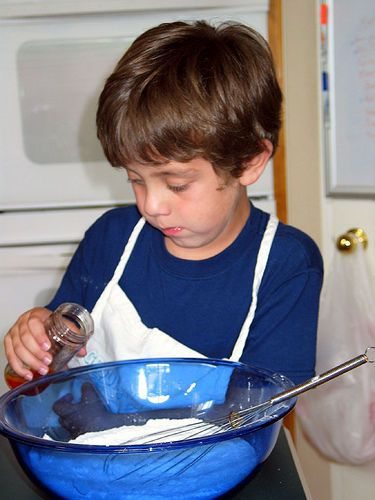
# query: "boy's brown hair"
{"points": [[187, 90]]}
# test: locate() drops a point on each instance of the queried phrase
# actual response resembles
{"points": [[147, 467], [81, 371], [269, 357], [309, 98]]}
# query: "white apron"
{"points": [[120, 334]]}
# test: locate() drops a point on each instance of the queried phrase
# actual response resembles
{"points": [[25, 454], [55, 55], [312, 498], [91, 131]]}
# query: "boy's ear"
{"points": [[255, 167]]}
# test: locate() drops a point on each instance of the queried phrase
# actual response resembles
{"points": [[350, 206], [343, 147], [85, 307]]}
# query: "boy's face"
{"points": [[199, 213]]}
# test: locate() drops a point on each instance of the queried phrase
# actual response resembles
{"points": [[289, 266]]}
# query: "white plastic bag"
{"points": [[339, 417]]}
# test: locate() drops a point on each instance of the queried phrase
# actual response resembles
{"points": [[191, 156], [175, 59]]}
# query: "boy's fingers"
{"points": [[28, 348], [15, 363], [24, 362], [38, 331], [82, 352], [26, 344], [36, 323]]}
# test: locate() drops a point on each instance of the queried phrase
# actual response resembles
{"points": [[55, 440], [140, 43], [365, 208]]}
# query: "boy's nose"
{"points": [[155, 204]]}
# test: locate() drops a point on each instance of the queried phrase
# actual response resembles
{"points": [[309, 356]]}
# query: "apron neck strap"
{"points": [[260, 267], [128, 250]]}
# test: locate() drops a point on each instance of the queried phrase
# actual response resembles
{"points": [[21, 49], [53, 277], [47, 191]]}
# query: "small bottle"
{"points": [[69, 328]]}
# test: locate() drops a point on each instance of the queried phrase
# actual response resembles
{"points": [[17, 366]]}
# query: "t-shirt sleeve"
{"points": [[95, 259], [74, 282], [284, 330]]}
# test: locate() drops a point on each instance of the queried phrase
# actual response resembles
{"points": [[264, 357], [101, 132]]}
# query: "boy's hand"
{"points": [[26, 344]]}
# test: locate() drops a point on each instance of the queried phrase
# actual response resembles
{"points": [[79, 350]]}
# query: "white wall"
{"points": [[322, 217]]}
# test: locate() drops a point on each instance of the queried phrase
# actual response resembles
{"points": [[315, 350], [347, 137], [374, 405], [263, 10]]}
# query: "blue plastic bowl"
{"points": [[199, 467]]}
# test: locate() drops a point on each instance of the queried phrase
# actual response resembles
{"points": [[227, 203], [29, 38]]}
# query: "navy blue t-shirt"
{"points": [[203, 304]]}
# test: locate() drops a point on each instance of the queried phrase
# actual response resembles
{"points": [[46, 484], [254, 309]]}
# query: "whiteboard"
{"points": [[348, 91]]}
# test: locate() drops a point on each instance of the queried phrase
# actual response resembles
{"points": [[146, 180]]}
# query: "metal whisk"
{"points": [[242, 418]]}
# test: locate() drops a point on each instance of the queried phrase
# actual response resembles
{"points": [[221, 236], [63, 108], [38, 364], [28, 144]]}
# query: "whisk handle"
{"points": [[324, 377]]}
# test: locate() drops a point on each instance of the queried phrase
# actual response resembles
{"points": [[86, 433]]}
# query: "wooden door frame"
{"points": [[275, 39], [279, 166]]}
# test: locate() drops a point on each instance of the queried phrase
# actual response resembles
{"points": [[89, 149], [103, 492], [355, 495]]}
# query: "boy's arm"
{"points": [[284, 331], [74, 281], [26, 343], [95, 259]]}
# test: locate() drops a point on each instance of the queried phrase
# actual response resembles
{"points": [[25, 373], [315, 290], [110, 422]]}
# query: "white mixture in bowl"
{"points": [[153, 431]]}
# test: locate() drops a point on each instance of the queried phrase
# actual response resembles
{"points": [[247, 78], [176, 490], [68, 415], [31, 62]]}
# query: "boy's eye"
{"points": [[179, 188], [138, 182]]}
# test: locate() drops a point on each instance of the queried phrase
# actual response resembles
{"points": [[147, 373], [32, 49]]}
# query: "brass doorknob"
{"points": [[348, 242]]}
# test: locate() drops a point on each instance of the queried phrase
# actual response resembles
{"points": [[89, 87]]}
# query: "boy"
{"points": [[192, 114]]}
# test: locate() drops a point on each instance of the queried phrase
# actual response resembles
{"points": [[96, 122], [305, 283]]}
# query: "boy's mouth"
{"points": [[171, 231]]}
